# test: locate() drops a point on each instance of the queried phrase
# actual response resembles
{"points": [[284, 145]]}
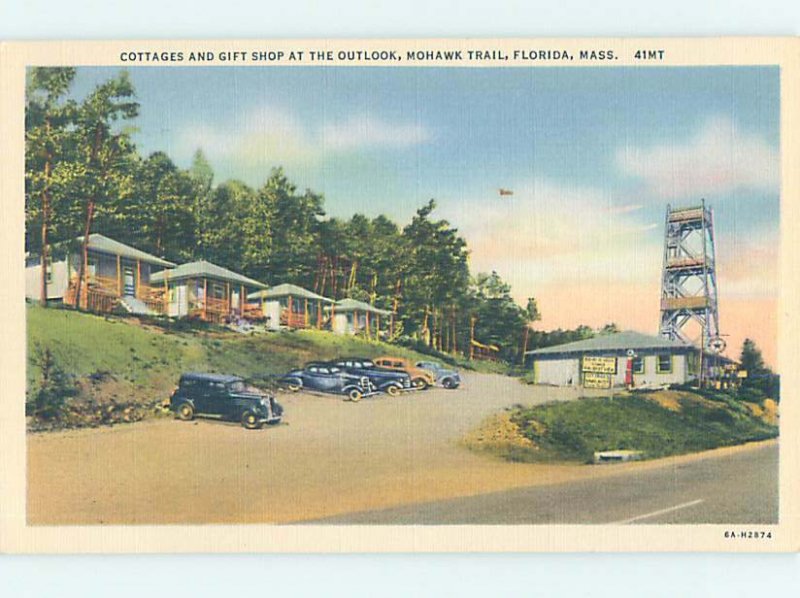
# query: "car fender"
{"points": [[292, 380], [176, 403], [388, 383]]}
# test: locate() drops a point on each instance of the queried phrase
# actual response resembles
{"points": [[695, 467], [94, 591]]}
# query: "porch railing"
{"points": [[293, 320]]}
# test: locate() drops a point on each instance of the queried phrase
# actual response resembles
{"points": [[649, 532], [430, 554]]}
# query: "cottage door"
{"points": [[129, 288]]}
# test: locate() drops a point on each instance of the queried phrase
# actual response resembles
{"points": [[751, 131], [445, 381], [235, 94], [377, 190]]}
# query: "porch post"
{"points": [[366, 322], [228, 296], [377, 326], [166, 292], [138, 278], [305, 310], [319, 314], [355, 321], [289, 310], [119, 277], [205, 297], [242, 300]]}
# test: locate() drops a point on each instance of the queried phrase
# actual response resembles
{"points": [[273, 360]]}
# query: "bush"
{"points": [[56, 387]]}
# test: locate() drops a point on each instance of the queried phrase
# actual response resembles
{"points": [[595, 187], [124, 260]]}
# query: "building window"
{"points": [[638, 365], [664, 364]]}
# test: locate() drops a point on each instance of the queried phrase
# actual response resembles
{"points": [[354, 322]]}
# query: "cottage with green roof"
{"points": [[290, 306], [118, 276], [350, 316], [621, 359], [206, 291]]}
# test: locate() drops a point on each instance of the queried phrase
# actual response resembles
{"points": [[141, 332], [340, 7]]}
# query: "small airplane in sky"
{"points": [[505, 192]]}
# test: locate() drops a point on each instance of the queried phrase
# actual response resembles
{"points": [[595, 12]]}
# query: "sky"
{"points": [[592, 155]]}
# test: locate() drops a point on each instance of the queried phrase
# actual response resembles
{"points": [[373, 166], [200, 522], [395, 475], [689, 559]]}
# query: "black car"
{"points": [[391, 382], [325, 377], [227, 397]]}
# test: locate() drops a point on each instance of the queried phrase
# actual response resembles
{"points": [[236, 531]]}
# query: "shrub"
{"points": [[56, 387]]}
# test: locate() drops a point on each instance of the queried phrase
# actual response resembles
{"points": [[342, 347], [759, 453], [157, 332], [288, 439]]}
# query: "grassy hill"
{"points": [[658, 424], [130, 362]]}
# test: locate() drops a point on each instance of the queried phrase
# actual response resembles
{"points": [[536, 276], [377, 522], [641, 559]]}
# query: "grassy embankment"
{"points": [[119, 363], [657, 423]]}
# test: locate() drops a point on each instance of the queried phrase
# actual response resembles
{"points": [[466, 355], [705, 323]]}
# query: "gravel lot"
{"points": [[329, 457]]}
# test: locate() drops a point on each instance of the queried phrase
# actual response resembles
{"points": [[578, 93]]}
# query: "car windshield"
{"points": [[237, 386], [367, 364]]}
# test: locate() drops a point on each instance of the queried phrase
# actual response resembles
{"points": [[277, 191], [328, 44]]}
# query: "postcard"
{"points": [[400, 295]]}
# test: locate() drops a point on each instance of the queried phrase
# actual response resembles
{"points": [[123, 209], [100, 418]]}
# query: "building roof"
{"points": [[484, 346], [619, 341], [205, 269], [98, 242], [354, 305], [210, 377], [285, 290]]}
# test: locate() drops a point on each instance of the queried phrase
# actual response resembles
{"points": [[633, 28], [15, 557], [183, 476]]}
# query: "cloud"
{"points": [[719, 159], [365, 131], [271, 135], [549, 232]]}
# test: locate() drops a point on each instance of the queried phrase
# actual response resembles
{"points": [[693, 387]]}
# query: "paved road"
{"points": [[737, 488]]}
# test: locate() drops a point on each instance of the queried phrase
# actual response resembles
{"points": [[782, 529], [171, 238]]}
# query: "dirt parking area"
{"points": [[329, 457]]}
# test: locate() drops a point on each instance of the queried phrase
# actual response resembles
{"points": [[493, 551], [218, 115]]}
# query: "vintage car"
{"points": [[324, 377], [443, 376], [389, 381], [226, 397], [420, 377]]}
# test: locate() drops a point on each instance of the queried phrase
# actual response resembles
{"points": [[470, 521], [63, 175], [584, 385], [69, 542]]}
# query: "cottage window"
{"points": [[664, 364], [638, 365]]}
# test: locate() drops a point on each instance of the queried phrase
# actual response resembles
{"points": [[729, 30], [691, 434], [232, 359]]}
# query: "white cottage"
{"points": [[290, 306], [118, 276], [206, 291], [350, 316]]}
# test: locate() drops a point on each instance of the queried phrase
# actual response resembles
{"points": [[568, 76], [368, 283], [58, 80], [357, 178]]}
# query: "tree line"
{"points": [[84, 174]]}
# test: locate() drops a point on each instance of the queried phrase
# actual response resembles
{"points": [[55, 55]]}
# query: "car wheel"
{"points": [[355, 395], [293, 387], [250, 420], [449, 383], [185, 412], [393, 391], [421, 383]]}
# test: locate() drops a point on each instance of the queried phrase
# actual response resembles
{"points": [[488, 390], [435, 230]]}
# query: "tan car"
{"points": [[420, 378]]}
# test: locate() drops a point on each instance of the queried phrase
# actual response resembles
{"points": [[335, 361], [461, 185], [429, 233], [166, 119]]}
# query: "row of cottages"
{"points": [[121, 277]]}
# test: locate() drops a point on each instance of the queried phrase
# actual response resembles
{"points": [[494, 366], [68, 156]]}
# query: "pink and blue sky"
{"points": [[593, 156]]}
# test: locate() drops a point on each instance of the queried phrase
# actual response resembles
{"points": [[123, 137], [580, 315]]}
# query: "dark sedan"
{"points": [[325, 377], [389, 381], [228, 397]]}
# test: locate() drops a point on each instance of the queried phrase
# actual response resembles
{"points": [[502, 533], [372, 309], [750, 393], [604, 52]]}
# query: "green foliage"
{"points": [[574, 430], [55, 387], [146, 361], [96, 181], [760, 380]]}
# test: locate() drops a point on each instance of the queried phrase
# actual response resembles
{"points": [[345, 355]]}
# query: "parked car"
{"points": [[227, 397], [443, 376], [388, 381], [420, 378], [324, 377]]}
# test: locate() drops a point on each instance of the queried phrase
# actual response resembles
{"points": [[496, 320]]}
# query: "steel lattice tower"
{"points": [[689, 279]]}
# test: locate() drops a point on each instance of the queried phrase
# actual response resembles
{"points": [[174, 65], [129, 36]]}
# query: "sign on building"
{"points": [[594, 380], [599, 365]]}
